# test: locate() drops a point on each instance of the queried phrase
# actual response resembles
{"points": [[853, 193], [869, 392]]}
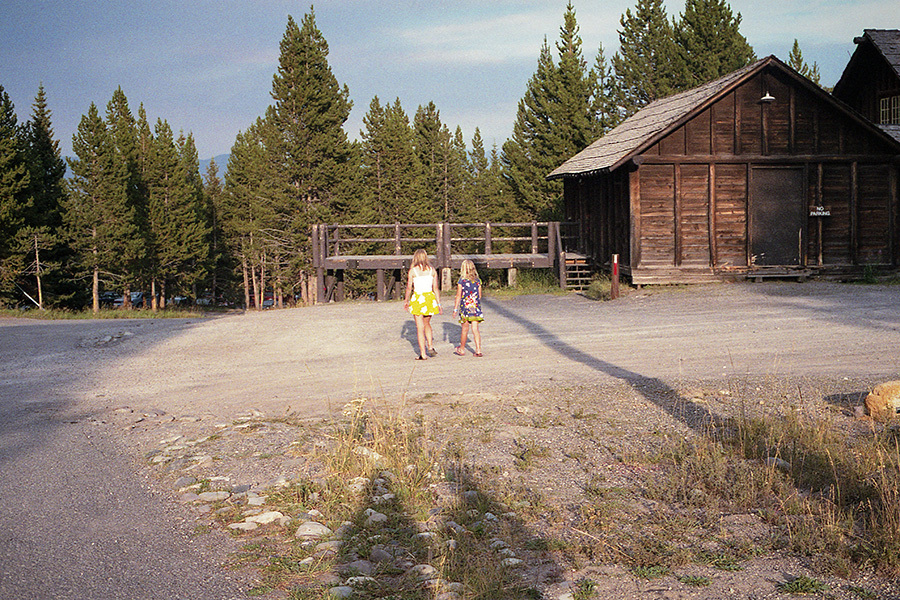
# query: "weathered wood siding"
{"points": [[869, 78], [694, 182], [680, 210]]}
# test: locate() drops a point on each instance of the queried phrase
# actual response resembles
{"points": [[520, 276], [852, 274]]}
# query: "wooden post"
{"points": [[534, 238], [320, 269], [379, 285], [511, 274], [487, 238], [339, 286], [397, 244], [614, 288]]}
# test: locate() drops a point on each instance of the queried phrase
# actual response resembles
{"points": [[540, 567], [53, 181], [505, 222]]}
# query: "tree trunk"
{"points": [[162, 294], [256, 301], [153, 302], [246, 282], [95, 289], [304, 288], [37, 273]]}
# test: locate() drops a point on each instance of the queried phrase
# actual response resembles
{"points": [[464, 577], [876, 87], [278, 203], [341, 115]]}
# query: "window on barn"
{"points": [[890, 110]]}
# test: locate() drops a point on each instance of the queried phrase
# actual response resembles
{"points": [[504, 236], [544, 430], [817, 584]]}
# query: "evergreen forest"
{"points": [[131, 216]]}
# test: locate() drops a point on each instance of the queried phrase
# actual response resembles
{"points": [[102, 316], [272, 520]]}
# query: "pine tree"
{"points": [[47, 168], [429, 139], [98, 216], [176, 233], [796, 62], [390, 164], [442, 164], [488, 199], [605, 108], [196, 268], [575, 90], [307, 141], [554, 121], [123, 136], [525, 165], [214, 200], [38, 239], [710, 42], [647, 65], [15, 202], [246, 211]]}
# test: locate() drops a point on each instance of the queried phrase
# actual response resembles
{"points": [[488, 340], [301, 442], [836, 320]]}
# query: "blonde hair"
{"points": [[420, 260], [468, 271]]}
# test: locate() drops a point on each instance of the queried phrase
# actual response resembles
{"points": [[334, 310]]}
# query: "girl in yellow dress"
{"points": [[423, 300]]}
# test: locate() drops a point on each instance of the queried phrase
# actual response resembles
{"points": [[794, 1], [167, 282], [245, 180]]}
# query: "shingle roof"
{"points": [[891, 130], [633, 133], [887, 41]]}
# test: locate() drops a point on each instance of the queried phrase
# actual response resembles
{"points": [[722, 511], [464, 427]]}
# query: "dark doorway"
{"points": [[777, 209]]}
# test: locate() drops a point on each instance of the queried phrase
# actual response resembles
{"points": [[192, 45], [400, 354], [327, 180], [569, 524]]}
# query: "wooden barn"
{"points": [[871, 81], [759, 173]]}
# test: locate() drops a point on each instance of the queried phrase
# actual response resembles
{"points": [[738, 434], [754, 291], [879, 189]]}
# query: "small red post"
{"points": [[614, 288]]}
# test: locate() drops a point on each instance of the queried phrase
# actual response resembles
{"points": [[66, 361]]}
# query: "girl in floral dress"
{"points": [[468, 305]]}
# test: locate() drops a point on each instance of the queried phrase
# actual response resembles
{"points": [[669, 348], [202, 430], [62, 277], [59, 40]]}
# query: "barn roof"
{"points": [[658, 118], [646, 124], [885, 41]]}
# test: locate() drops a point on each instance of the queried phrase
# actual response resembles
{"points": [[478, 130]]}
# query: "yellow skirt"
{"points": [[424, 304]]}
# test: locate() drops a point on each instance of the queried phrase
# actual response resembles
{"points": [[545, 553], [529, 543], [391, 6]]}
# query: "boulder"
{"points": [[883, 402]]}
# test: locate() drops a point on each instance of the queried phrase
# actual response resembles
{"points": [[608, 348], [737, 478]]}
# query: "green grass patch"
{"points": [[802, 585]]}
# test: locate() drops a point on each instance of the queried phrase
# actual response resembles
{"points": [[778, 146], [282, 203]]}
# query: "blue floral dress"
{"points": [[470, 302]]}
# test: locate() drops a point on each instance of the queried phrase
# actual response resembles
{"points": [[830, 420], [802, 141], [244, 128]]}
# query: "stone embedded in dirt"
{"points": [[311, 529], [378, 555], [214, 496], [183, 482], [357, 567], [340, 591], [422, 571], [374, 517], [244, 526], [327, 549], [269, 517]]}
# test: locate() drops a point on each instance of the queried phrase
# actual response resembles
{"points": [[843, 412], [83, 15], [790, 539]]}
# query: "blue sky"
{"points": [[206, 66]]}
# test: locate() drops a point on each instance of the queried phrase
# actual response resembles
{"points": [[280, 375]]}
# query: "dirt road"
{"points": [[307, 361]]}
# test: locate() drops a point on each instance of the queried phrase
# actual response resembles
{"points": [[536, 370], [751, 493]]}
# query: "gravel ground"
{"points": [[643, 367]]}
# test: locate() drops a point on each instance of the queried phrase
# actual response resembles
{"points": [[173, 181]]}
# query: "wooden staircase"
{"points": [[579, 271]]}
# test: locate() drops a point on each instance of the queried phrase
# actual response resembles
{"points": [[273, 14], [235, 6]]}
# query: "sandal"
{"points": [[432, 352], [479, 354], [420, 358], [459, 351]]}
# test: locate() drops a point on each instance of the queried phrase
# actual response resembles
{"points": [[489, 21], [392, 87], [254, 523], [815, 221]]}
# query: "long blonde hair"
{"points": [[421, 261], [468, 271]]}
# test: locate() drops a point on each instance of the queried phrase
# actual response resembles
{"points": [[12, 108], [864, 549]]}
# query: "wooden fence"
{"points": [[388, 249]]}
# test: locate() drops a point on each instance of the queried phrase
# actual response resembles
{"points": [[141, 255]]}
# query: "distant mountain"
{"points": [[221, 162]]}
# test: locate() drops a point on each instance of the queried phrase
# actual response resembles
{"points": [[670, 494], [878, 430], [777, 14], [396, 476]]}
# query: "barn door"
{"points": [[777, 210]]}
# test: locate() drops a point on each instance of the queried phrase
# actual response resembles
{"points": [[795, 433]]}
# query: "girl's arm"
{"points": [[458, 298], [409, 285], [436, 288]]}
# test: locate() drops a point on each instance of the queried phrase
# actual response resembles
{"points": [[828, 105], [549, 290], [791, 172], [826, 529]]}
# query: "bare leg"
{"points": [[464, 336], [420, 333], [429, 334], [476, 335]]}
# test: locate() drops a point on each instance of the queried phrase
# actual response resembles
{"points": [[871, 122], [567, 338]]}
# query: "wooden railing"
{"points": [[390, 247]]}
